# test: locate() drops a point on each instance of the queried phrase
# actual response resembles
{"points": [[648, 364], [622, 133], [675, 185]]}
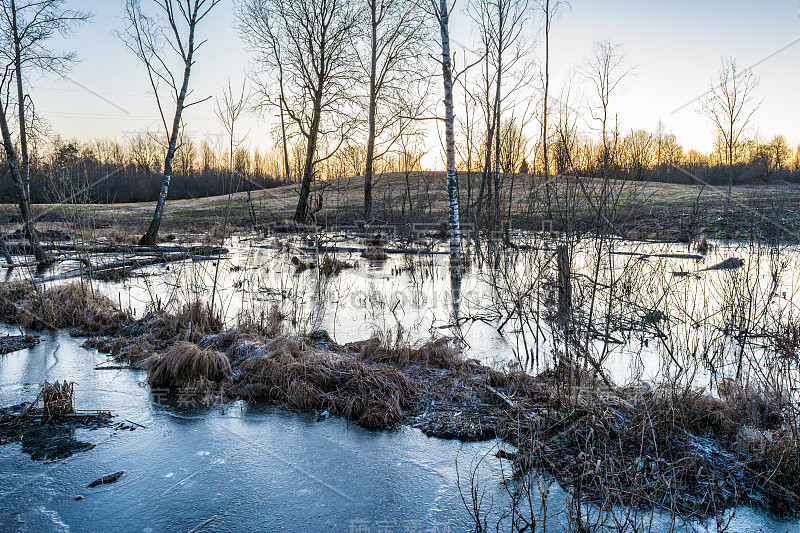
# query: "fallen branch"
{"points": [[127, 265]]}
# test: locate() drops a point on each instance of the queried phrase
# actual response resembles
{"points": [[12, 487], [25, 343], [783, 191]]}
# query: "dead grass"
{"points": [[394, 349], [267, 323], [298, 376], [185, 363], [330, 265], [191, 321], [68, 305], [375, 253], [57, 398], [675, 449]]}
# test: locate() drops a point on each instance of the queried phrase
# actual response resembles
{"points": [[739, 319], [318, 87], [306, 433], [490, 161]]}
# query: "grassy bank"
{"points": [[669, 212]]}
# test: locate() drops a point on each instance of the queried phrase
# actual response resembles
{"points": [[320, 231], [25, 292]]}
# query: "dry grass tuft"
{"points": [[395, 350], [330, 265], [375, 253], [299, 377], [185, 363], [192, 322], [267, 323], [68, 305], [57, 398]]}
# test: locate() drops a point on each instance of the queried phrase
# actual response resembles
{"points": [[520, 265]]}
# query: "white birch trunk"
{"points": [[452, 182], [152, 232]]}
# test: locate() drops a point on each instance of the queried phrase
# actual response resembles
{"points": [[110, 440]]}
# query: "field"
{"points": [[653, 211]]}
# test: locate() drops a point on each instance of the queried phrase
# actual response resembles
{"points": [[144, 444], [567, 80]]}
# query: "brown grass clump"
{"points": [[56, 398], [330, 265], [752, 405], [395, 350], [192, 321], [302, 378], [694, 411], [198, 319], [11, 294], [68, 305], [375, 253], [185, 363], [267, 323]]}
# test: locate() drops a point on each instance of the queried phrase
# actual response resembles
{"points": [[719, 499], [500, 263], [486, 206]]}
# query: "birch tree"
{"points": [[25, 28], [442, 13], [396, 45], [308, 44], [730, 106], [153, 38]]}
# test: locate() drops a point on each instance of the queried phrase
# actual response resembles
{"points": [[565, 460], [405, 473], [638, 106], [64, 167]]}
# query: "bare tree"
{"points": [[442, 12], [729, 104], [397, 35], [26, 27], [228, 111], [513, 146], [309, 44], [781, 153], [151, 39], [605, 69], [566, 130], [500, 25], [550, 10]]}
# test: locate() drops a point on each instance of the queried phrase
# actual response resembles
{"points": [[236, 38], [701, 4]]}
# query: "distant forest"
{"points": [[108, 171]]}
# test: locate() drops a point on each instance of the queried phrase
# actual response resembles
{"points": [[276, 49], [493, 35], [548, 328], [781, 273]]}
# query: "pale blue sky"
{"points": [[676, 46]]}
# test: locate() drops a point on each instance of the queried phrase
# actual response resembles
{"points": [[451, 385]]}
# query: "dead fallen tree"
{"points": [[129, 249], [351, 249], [118, 269]]}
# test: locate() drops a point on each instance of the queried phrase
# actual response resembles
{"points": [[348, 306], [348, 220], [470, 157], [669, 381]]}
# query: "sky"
{"points": [[675, 46]]}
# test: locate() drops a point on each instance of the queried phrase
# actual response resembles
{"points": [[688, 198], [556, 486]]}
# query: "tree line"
{"points": [[109, 171]]}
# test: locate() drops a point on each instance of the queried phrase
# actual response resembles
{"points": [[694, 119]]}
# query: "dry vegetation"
{"points": [[72, 305], [683, 450]]}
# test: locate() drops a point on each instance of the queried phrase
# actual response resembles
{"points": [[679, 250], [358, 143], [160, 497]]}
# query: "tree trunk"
{"points": [[22, 192], [20, 174], [24, 169], [545, 109], [301, 212], [283, 130], [497, 121], [372, 111], [149, 238], [452, 182]]}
